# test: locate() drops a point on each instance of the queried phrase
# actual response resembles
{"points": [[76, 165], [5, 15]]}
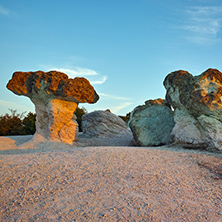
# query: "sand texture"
{"points": [[108, 183]]}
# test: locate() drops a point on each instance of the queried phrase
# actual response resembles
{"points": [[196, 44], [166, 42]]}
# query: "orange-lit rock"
{"points": [[56, 98], [159, 101]]}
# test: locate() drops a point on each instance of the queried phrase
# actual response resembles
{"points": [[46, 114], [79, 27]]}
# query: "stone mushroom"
{"points": [[56, 98]]}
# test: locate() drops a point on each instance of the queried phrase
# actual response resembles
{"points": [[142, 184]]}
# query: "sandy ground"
{"points": [[57, 182]]}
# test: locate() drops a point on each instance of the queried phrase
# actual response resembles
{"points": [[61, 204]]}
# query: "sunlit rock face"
{"points": [[152, 123], [56, 98], [197, 103]]}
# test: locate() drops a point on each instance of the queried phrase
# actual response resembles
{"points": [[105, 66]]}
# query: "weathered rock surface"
{"points": [[56, 98], [152, 123], [102, 124], [197, 101], [159, 101]]}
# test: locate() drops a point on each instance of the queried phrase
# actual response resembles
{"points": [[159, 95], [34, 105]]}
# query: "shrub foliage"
{"points": [[19, 124], [79, 113], [28, 124]]}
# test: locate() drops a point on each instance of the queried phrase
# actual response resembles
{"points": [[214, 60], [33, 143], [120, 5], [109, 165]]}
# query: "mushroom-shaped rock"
{"points": [[56, 98], [197, 101]]}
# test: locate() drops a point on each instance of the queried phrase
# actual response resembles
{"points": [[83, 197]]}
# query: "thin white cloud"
{"points": [[201, 40], [113, 97], [206, 26], [77, 71], [99, 82], [12, 105], [4, 11], [118, 102], [116, 109], [203, 23], [204, 10]]}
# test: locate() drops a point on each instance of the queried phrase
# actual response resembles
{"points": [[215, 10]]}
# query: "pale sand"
{"points": [[64, 183]]}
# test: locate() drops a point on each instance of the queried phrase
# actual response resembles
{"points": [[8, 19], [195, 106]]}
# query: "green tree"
{"points": [[4, 126], [79, 113], [11, 124], [17, 124], [125, 118], [28, 124]]}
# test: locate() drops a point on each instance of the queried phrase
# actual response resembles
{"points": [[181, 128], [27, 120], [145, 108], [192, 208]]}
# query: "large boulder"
{"points": [[197, 102], [56, 98], [104, 124], [152, 123]]}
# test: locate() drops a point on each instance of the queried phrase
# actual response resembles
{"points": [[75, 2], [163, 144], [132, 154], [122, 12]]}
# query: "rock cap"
{"points": [[52, 84]]}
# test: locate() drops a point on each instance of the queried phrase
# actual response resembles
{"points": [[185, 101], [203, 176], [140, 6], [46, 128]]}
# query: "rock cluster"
{"points": [[56, 98], [196, 102], [190, 115]]}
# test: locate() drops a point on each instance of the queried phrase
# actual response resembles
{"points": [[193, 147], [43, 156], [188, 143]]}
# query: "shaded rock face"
{"points": [[104, 124], [56, 98], [152, 123], [197, 101]]}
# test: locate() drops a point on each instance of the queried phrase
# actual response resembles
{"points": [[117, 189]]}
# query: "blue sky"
{"points": [[125, 48]]}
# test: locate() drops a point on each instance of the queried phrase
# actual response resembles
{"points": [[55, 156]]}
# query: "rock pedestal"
{"points": [[56, 98], [56, 120]]}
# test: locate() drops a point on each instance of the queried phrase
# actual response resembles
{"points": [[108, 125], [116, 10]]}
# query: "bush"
{"points": [[125, 118], [11, 124], [17, 124], [28, 124], [79, 113]]}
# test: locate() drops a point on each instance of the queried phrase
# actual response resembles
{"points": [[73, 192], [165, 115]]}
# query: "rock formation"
{"points": [[152, 123], [159, 101], [197, 103], [56, 98], [103, 124]]}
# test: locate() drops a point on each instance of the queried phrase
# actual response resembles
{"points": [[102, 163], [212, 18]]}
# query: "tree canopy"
{"points": [[21, 124]]}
